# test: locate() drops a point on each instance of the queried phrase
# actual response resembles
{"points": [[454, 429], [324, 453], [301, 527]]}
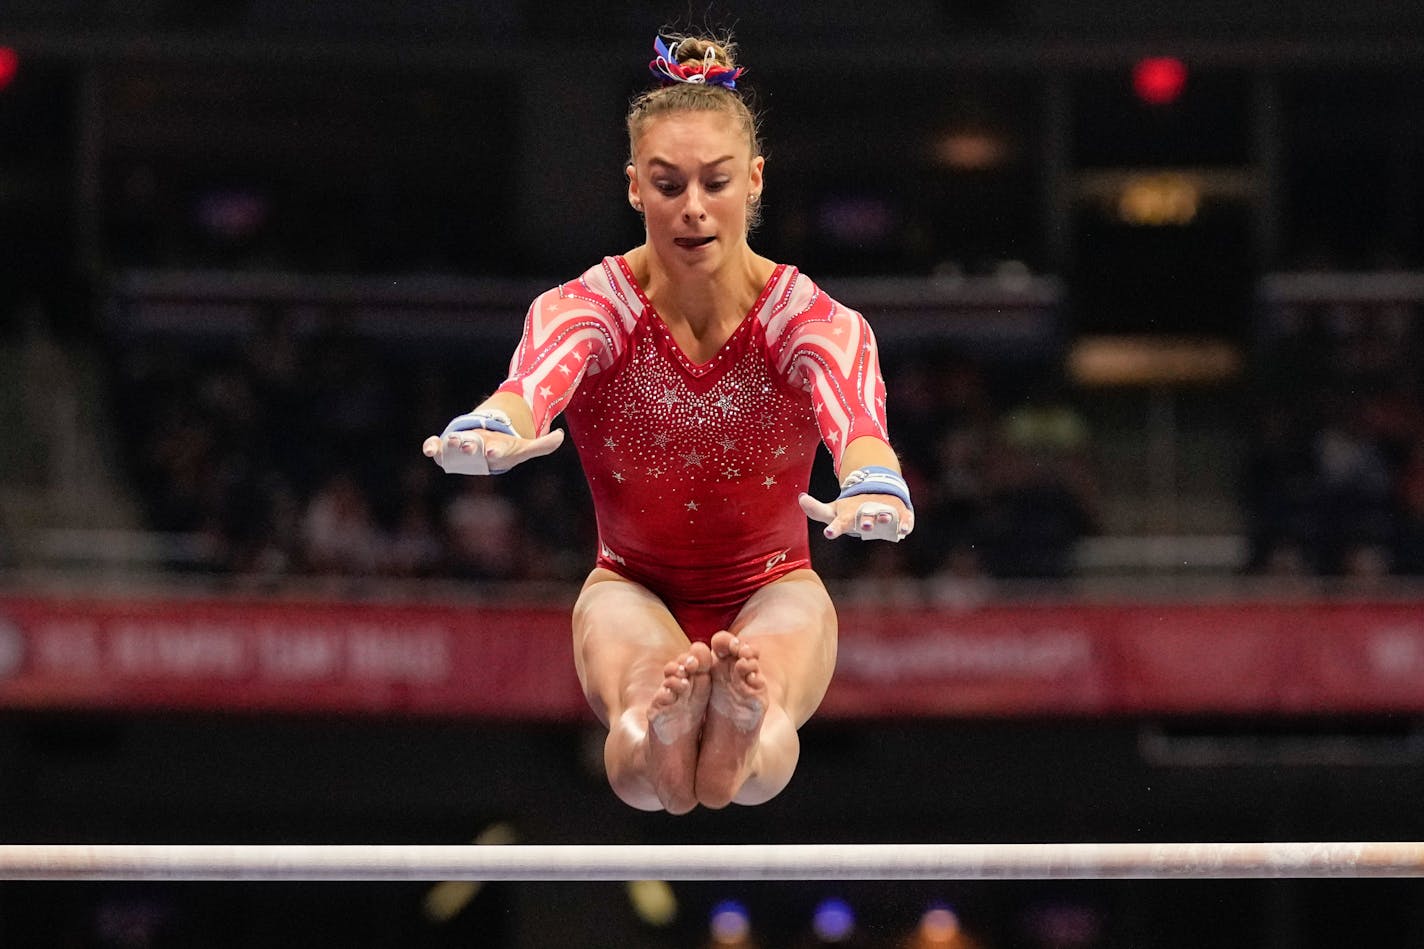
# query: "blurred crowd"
{"points": [[1334, 479], [300, 455], [297, 454]]}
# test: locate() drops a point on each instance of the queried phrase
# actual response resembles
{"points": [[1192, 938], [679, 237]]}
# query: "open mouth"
{"points": [[693, 241]]}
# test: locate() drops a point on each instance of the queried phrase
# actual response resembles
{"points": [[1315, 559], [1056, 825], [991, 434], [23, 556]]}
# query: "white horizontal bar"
{"points": [[1077, 861]]}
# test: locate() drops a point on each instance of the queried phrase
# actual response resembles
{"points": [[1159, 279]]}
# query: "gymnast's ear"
{"points": [[634, 198]]}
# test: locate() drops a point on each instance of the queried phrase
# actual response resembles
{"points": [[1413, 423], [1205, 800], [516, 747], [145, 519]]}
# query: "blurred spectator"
{"points": [[345, 395], [274, 547], [1407, 543], [1033, 517], [960, 582], [415, 546], [1330, 474], [1041, 496], [558, 543], [483, 528], [1276, 491], [957, 495], [954, 430], [882, 577], [179, 461], [338, 532], [1352, 488]]}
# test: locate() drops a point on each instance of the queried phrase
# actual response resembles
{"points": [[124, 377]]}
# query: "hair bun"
{"points": [[698, 49], [695, 60]]}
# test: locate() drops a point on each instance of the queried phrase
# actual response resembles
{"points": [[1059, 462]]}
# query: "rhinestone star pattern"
{"points": [[695, 467], [731, 444]]}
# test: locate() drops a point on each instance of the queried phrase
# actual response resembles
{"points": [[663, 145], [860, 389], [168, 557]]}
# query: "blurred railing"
{"points": [[1014, 315]]}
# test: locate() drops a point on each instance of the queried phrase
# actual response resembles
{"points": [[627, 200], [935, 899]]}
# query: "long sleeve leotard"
{"points": [[695, 468]]}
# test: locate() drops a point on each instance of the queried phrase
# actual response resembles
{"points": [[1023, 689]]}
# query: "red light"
{"points": [[1159, 80], [9, 65]]}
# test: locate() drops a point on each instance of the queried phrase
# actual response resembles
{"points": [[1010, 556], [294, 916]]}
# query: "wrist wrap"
{"points": [[876, 479]]}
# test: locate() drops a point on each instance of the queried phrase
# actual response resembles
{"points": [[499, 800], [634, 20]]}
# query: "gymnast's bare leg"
{"points": [[686, 727], [772, 670], [648, 684]]}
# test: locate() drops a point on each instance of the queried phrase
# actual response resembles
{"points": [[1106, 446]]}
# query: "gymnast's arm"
{"points": [[838, 362], [492, 439], [874, 503], [565, 337]]}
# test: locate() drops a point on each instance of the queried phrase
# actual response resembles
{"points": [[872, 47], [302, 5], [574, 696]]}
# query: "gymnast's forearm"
{"points": [[864, 452], [521, 416]]}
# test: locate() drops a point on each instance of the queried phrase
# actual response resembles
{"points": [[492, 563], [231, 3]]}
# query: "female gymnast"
{"points": [[697, 379]]}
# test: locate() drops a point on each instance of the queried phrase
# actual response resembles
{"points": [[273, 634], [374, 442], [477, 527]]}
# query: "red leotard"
{"points": [[695, 468]]}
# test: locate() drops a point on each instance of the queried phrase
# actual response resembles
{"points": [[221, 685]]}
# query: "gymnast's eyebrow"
{"points": [[667, 164]]}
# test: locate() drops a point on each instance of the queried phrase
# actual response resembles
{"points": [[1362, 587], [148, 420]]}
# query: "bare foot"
{"points": [[735, 711], [675, 721]]}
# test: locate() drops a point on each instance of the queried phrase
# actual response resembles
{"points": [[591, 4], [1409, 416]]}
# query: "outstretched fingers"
{"points": [[487, 452], [869, 517], [505, 454], [874, 520], [817, 510]]}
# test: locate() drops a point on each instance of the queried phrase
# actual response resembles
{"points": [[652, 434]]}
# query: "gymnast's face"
{"points": [[694, 177]]}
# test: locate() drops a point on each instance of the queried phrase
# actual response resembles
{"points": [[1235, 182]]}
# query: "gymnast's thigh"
{"points": [[623, 637], [792, 623]]}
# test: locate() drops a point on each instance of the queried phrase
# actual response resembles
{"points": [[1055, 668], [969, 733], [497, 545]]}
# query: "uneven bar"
{"points": [[1040, 861]]}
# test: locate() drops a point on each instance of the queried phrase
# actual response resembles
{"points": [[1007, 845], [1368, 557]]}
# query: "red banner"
{"points": [[516, 662], [311, 657]]}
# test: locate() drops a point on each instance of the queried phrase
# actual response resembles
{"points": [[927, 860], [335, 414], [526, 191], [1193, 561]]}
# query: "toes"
{"points": [[722, 644], [697, 659], [727, 646], [701, 654], [681, 677], [670, 691]]}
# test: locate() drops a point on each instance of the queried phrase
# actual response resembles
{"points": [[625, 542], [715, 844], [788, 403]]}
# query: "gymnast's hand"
{"points": [[484, 442], [874, 504]]}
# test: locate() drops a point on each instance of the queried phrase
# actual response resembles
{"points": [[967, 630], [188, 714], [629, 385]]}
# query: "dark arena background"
{"points": [[1148, 282]]}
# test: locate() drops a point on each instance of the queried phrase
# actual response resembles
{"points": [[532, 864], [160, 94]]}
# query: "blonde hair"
{"points": [[694, 97]]}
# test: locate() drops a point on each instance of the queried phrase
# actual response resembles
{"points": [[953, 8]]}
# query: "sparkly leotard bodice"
{"points": [[695, 468]]}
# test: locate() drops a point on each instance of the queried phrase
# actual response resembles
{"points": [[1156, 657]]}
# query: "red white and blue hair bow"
{"points": [[705, 72]]}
